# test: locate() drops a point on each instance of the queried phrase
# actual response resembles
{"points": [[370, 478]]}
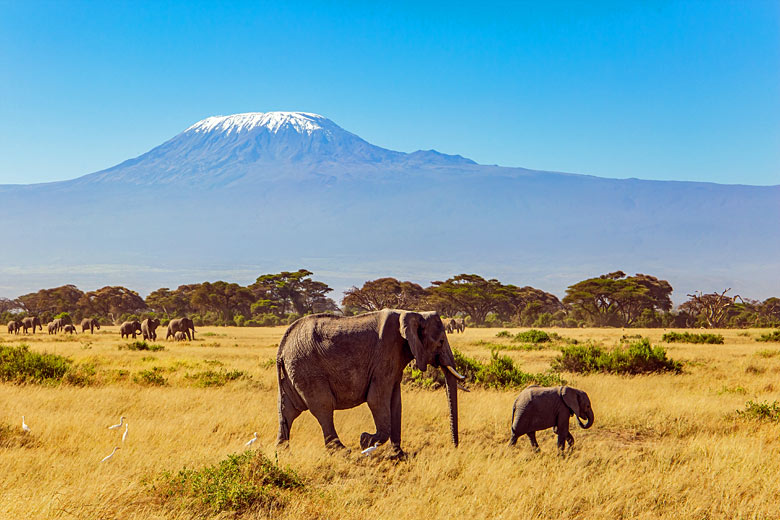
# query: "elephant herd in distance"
{"points": [[179, 329], [455, 325], [327, 362]]}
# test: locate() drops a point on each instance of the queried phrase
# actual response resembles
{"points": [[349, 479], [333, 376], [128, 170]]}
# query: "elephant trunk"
{"points": [[452, 398], [589, 422]]}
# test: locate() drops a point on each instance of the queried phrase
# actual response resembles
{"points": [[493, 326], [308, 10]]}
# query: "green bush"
{"points": [[141, 345], [532, 336], [504, 334], [238, 483], [687, 337], [20, 365], [639, 357], [764, 411], [210, 378], [501, 372], [150, 377], [770, 336]]}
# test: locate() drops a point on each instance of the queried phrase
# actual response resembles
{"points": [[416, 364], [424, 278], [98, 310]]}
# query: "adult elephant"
{"points": [[89, 324], [459, 324], [31, 321], [149, 328], [129, 328], [52, 327], [181, 325], [60, 323], [449, 325], [538, 408], [328, 363]]}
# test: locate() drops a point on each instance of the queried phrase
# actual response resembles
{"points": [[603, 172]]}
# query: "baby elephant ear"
{"points": [[409, 327], [569, 396]]}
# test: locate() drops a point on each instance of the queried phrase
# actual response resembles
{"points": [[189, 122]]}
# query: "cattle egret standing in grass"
{"points": [[116, 426], [370, 449], [251, 441], [124, 435], [109, 456], [24, 425]]}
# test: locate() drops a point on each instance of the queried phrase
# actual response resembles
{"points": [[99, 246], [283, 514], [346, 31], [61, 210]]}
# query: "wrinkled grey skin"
{"points": [[538, 408], [14, 326], [149, 328], [179, 336], [89, 324], [129, 328], [31, 321], [181, 325], [328, 363], [52, 327], [70, 329]]}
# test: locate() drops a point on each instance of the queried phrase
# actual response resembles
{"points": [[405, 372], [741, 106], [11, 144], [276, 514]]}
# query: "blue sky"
{"points": [[654, 90]]}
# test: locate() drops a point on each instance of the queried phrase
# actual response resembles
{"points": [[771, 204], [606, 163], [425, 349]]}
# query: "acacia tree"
{"points": [[616, 299], [111, 302], [468, 293], [291, 292], [48, 302], [384, 293], [226, 299], [713, 307], [525, 304]]}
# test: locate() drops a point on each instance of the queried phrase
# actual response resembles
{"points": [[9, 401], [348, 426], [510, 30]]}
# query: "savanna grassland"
{"points": [[663, 445]]}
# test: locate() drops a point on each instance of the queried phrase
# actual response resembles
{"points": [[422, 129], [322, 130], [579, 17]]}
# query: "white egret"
{"points": [[124, 435], [109, 456], [251, 441], [24, 425], [117, 426], [370, 449]]}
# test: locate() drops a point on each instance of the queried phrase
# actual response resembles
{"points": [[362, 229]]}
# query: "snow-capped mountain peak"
{"points": [[273, 122]]}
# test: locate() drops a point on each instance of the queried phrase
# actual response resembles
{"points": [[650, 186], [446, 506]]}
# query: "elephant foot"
{"points": [[335, 445], [367, 440], [397, 453]]}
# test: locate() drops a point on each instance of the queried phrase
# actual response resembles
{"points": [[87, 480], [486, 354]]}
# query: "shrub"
{"points": [[214, 377], [80, 375], [768, 353], [19, 365], [238, 483], [770, 336], [141, 345], [764, 411], [150, 377], [501, 372], [532, 336], [687, 337], [502, 346], [504, 334], [639, 357]]}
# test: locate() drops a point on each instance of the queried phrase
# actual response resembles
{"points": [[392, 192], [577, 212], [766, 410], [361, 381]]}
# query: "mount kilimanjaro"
{"points": [[232, 197]]}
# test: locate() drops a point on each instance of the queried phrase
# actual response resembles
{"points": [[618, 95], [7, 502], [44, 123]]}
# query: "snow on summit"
{"points": [[301, 122]]}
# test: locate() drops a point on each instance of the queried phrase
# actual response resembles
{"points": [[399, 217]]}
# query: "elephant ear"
{"points": [[410, 327], [569, 396]]}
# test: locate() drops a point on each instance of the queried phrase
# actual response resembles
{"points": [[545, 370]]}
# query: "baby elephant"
{"points": [[179, 336], [538, 408]]}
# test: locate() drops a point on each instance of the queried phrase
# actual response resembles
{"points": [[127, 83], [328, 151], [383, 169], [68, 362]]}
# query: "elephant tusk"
{"points": [[454, 373], [463, 388]]}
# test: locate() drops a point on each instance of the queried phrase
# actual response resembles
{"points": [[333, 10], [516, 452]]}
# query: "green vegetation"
{"points": [[532, 336], [151, 377], [768, 353], [211, 378], [239, 483], [687, 337], [764, 411], [639, 357], [770, 336], [500, 372], [20, 365], [141, 345]]}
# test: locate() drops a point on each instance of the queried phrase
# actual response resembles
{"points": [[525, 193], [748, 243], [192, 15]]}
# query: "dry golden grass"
{"points": [[663, 446]]}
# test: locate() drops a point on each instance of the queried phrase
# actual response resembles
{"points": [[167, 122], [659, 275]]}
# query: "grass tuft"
{"points": [[152, 377], [764, 411], [141, 345], [238, 483]]}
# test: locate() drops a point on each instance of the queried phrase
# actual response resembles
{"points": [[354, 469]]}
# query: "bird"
{"points": [[370, 449], [24, 425], [251, 441], [121, 421], [109, 456], [124, 435]]}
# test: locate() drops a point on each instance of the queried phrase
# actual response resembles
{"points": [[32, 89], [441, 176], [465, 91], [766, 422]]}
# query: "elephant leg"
{"points": [[324, 416], [379, 404], [512, 439], [532, 438], [395, 417], [570, 439], [287, 414], [563, 431]]}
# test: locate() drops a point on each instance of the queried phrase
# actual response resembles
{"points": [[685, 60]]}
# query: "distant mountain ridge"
{"points": [[235, 195]]}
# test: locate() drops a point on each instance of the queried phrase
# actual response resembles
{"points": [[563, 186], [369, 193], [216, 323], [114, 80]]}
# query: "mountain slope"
{"points": [[234, 196]]}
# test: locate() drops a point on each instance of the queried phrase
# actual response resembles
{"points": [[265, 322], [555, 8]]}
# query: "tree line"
{"points": [[613, 299]]}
